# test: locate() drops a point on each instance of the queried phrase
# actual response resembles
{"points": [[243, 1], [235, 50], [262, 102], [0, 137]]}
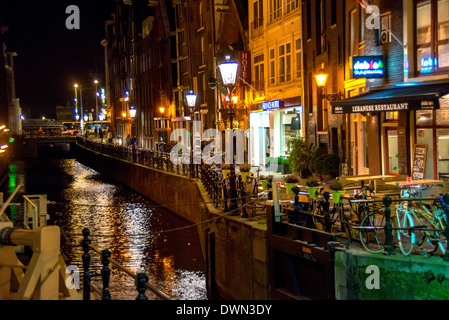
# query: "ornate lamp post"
{"points": [[132, 113], [321, 78], [228, 70], [191, 103]]}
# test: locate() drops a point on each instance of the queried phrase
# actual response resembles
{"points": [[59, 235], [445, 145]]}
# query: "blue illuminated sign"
{"points": [[270, 105], [368, 67], [427, 65]]}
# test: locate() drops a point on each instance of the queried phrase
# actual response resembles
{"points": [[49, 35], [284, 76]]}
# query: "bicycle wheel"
{"points": [[318, 216], [372, 234], [406, 238], [440, 223]]}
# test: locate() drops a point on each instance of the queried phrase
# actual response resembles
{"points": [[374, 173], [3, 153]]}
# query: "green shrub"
{"points": [[327, 164], [301, 156]]}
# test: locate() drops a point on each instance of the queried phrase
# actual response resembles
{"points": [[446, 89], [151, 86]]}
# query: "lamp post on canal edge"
{"points": [[191, 103], [228, 72], [132, 113]]}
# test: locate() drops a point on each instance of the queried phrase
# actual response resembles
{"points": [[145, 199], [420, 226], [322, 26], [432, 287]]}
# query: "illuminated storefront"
{"points": [[396, 118], [273, 126]]}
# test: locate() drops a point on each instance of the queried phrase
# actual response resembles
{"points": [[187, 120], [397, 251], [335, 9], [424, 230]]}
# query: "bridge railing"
{"points": [[147, 157], [212, 178], [141, 279]]}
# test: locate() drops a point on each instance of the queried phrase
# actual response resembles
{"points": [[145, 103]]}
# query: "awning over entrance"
{"points": [[399, 97]]}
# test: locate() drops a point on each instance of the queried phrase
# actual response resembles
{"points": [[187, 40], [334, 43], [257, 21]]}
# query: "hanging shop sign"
{"points": [[369, 67], [245, 66], [429, 104]]}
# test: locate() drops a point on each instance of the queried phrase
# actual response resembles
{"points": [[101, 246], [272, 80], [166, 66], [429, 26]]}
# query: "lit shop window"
{"points": [[432, 36]]}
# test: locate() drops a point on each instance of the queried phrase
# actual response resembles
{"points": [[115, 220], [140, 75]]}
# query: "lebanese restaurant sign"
{"points": [[400, 106]]}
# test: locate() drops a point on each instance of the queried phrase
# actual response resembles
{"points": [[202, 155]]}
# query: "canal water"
{"points": [[141, 236]]}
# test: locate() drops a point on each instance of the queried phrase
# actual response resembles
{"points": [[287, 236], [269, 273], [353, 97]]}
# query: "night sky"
{"points": [[50, 57]]}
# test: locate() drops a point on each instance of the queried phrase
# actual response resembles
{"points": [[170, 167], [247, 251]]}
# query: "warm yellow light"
{"points": [[95, 81], [124, 114], [321, 78], [162, 109], [75, 85], [235, 99], [2, 127], [3, 147]]}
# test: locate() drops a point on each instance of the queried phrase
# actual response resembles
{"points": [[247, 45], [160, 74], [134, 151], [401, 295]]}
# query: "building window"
{"points": [[259, 84], [258, 13], [203, 53], [271, 79], [309, 19], [321, 26], [284, 63], [298, 55], [291, 5], [200, 15], [352, 35], [275, 10], [334, 12], [432, 36]]}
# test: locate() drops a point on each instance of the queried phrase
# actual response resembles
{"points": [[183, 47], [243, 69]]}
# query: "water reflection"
{"points": [[136, 231]]}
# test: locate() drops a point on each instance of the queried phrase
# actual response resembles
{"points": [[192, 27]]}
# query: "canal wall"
{"points": [[363, 276], [235, 249]]}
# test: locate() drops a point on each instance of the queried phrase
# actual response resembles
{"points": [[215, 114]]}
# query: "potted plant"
{"points": [[225, 169], [285, 166], [245, 171], [302, 156], [313, 186], [264, 181], [290, 181], [337, 190], [327, 166]]}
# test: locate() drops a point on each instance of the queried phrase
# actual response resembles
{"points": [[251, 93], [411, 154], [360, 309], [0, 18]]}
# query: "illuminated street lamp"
{"points": [[132, 112], [228, 70], [321, 78], [191, 104], [76, 86]]}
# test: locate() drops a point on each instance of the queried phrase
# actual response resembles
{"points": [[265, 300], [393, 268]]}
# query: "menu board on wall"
{"points": [[419, 161]]}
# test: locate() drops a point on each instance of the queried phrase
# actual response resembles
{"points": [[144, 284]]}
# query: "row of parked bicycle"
{"points": [[417, 223]]}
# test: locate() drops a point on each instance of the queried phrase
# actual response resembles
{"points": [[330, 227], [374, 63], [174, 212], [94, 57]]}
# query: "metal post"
{"points": [[327, 218], [86, 262], [232, 182], [388, 250], [141, 281], [105, 274]]}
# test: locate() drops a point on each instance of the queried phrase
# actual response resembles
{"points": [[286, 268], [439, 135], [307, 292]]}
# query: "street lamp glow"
{"points": [[228, 72], [191, 101], [132, 112], [321, 78], [162, 110], [75, 85], [96, 81]]}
